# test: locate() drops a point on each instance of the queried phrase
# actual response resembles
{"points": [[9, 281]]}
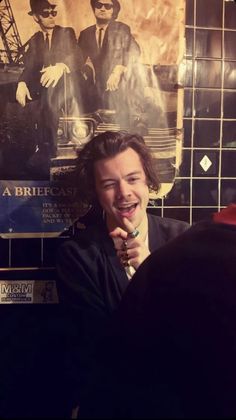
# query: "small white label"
{"points": [[28, 291]]}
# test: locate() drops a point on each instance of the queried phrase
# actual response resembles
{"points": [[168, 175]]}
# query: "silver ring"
{"points": [[134, 234]]}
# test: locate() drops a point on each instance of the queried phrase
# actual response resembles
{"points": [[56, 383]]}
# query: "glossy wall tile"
{"points": [[209, 106], [208, 43], [209, 13], [206, 133]]}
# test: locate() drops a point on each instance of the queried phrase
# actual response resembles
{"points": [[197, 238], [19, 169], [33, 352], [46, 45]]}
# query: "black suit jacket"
{"points": [[91, 284], [91, 276], [63, 50], [119, 47]]}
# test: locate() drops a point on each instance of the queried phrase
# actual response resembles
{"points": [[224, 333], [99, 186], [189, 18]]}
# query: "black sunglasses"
{"points": [[107, 6], [47, 13]]}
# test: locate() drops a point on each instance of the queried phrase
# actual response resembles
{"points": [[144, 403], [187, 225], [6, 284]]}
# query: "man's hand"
{"points": [[133, 250], [113, 80], [52, 74], [22, 93]]}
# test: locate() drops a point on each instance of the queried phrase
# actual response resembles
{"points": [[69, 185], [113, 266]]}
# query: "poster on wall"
{"points": [[70, 70]]}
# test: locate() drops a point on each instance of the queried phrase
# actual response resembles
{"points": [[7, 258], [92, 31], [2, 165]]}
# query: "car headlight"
{"points": [[75, 131]]}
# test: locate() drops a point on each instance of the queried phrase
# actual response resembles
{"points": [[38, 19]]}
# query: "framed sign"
{"points": [[70, 70]]}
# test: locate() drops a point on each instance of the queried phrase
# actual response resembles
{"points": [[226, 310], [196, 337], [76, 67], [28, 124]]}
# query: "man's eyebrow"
{"points": [[134, 173], [102, 181]]}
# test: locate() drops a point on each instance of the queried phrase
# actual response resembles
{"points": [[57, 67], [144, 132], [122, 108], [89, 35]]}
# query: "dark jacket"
{"points": [[119, 48], [91, 276], [63, 50], [91, 285]]}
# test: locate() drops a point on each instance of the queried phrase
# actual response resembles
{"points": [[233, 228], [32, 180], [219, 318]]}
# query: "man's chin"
{"points": [[103, 21]]}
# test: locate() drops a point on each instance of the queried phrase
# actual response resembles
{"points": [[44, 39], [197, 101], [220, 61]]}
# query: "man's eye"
{"points": [[107, 186], [133, 179]]}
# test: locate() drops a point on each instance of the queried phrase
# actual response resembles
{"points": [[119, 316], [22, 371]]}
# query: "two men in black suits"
{"points": [[51, 59], [113, 51]]}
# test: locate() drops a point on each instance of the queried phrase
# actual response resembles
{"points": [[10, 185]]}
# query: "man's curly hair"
{"points": [[108, 145]]}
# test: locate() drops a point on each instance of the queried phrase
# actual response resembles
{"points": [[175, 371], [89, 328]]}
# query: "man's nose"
{"points": [[123, 189]]}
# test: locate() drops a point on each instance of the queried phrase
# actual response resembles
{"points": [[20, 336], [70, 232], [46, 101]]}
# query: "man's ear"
{"points": [[36, 18]]}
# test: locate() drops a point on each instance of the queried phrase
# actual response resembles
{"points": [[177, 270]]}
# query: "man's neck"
{"points": [[100, 23], [143, 228], [47, 31]]}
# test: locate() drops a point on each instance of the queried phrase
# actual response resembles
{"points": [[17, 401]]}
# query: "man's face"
{"points": [[46, 18], [103, 11], [121, 188]]}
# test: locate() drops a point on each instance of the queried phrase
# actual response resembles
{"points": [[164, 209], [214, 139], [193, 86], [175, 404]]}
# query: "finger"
{"points": [[49, 82], [114, 86], [46, 82], [128, 226], [45, 77], [118, 233], [123, 253], [125, 261], [43, 83], [23, 100], [55, 83], [118, 243], [42, 79]]}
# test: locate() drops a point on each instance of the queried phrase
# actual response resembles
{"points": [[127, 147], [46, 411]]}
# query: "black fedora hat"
{"points": [[38, 5]]}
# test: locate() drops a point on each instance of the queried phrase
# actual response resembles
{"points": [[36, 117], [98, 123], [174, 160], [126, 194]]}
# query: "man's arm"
{"points": [[79, 285], [130, 53], [23, 91], [85, 315], [83, 45], [32, 60]]}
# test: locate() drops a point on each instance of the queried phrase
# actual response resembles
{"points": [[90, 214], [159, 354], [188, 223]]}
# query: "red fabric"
{"points": [[227, 215]]}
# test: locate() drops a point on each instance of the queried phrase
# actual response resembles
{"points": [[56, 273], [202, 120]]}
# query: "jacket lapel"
{"points": [[115, 265], [154, 237]]}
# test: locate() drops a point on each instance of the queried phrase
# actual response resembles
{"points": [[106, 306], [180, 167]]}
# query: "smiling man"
{"points": [[114, 172], [123, 193]]}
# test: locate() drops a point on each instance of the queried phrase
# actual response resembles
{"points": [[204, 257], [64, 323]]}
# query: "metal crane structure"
{"points": [[11, 42]]}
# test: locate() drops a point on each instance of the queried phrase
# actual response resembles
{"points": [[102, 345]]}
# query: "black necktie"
{"points": [[46, 50], [100, 38], [47, 42]]}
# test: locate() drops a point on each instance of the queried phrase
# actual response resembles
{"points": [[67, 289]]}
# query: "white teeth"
{"points": [[126, 207]]}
